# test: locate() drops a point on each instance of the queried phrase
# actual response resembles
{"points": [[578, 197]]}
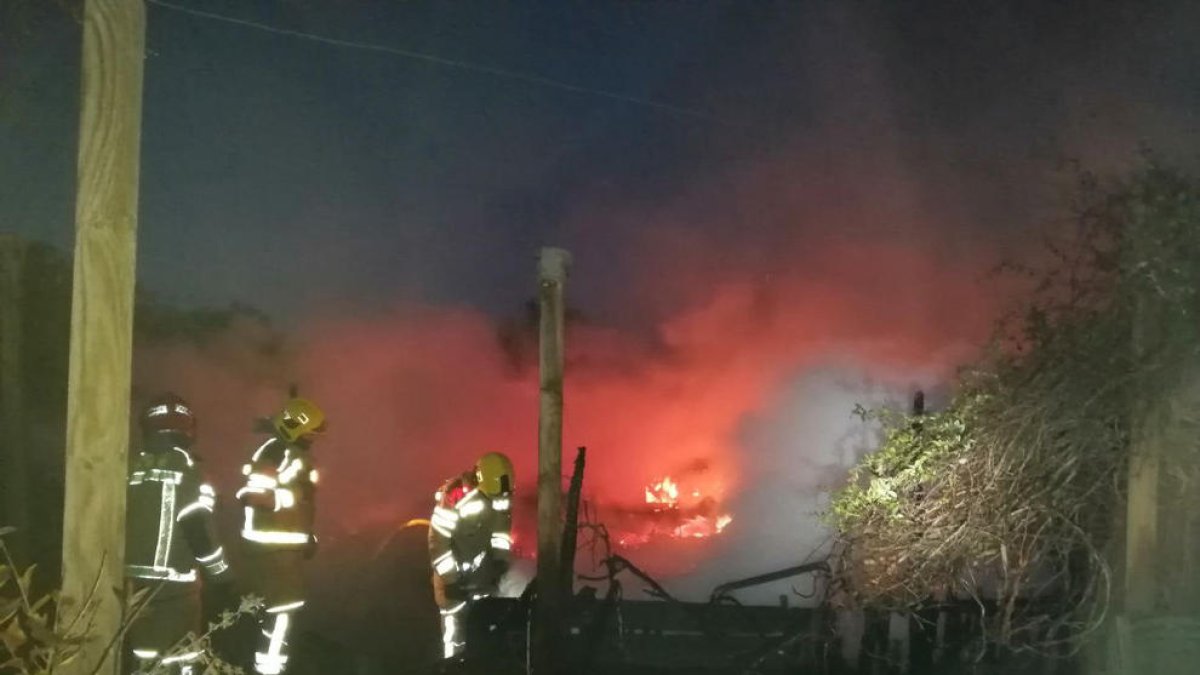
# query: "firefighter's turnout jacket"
{"points": [[470, 543], [169, 537], [279, 504], [278, 496]]}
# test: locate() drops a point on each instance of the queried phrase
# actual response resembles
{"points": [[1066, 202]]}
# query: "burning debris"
{"points": [[665, 491], [670, 512]]}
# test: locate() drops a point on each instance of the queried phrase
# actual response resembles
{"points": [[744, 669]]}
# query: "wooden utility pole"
{"points": [[102, 327], [552, 277], [14, 473]]}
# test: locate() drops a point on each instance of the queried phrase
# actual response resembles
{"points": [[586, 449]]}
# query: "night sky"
{"points": [[303, 177]]}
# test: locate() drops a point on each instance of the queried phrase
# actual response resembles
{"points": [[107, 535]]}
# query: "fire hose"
{"points": [[415, 522]]}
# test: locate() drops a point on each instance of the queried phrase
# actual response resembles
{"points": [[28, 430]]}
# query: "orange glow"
{"points": [[417, 393]]}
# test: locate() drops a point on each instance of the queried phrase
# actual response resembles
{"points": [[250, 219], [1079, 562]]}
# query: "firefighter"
{"points": [[169, 534], [470, 542], [278, 501]]}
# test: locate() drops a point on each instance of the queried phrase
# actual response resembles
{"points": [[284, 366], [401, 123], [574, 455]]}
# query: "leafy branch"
{"points": [[1011, 492], [31, 644]]}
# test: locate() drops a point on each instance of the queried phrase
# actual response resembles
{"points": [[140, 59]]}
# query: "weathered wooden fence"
{"points": [[609, 636]]}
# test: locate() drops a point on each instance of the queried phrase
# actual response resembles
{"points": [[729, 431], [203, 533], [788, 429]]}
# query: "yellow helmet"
{"points": [[494, 471], [298, 419]]}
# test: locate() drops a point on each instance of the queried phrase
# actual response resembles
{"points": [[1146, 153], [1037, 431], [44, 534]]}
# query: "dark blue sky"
{"points": [[299, 176]]}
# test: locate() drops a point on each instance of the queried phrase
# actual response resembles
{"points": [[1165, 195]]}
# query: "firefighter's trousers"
{"points": [[277, 575], [454, 604], [157, 636]]}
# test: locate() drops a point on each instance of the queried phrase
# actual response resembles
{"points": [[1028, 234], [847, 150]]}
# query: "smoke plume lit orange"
{"points": [[413, 397]]}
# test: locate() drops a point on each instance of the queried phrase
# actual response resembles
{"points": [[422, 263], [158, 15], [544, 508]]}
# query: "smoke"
{"points": [[797, 450], [745, 395]]}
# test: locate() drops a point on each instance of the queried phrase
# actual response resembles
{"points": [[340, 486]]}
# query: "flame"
{"points": [[665, 491], [669, 516]]}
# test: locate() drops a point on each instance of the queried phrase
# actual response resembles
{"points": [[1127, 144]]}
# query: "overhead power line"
{"points": [[433, 59]]}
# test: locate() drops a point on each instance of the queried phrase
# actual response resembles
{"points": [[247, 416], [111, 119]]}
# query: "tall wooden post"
{"points": [[14, 474], [102, 326], [552, 277]]}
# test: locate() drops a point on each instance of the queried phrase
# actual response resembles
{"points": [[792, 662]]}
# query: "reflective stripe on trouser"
{"points": [[452, 621], [154, 635], [272, 658], [276, 574], [150, 661]]}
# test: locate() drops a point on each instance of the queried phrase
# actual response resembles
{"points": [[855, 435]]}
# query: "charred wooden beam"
{"points": [[760, 579], [571, 526]]}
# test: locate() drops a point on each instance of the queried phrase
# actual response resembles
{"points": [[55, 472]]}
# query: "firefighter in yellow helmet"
{"points": [[470, 542], [278, 502]]}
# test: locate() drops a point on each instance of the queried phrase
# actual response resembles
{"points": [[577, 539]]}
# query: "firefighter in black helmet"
{"points": [[279, 506], [470, 542], [169, 536]]}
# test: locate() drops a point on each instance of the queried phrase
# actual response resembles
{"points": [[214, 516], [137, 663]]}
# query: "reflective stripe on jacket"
{"points": [[169, 519], [466, 527], [278, 496]]}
